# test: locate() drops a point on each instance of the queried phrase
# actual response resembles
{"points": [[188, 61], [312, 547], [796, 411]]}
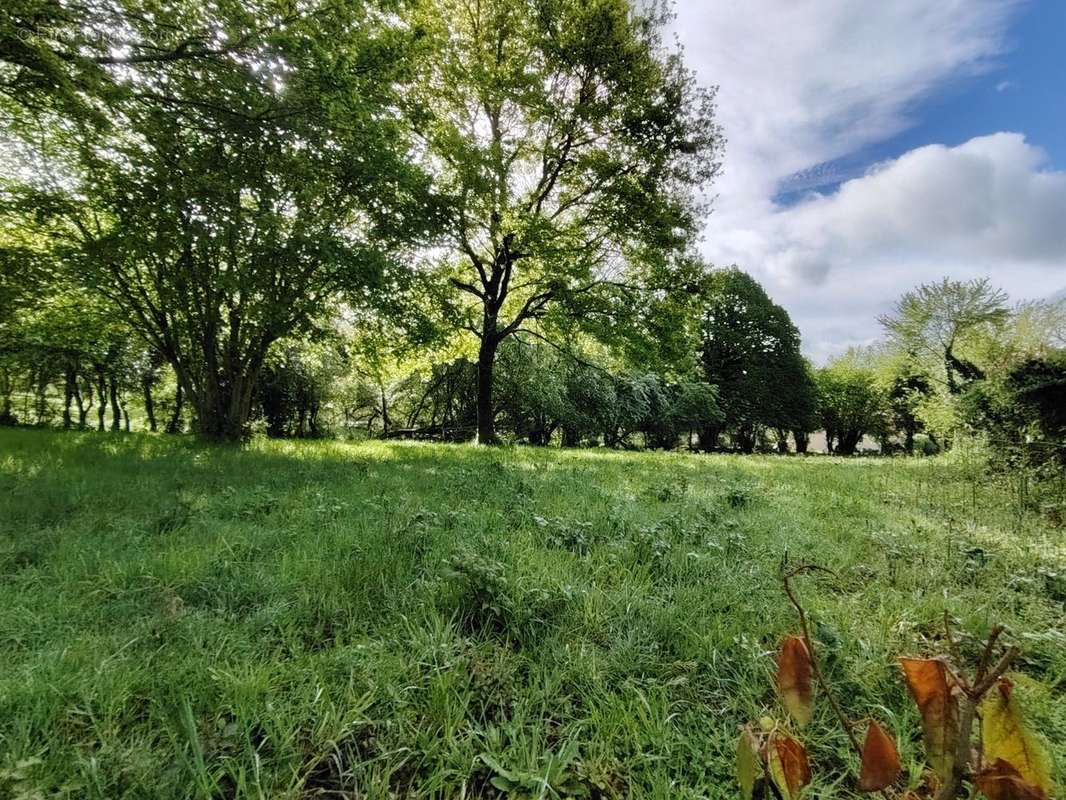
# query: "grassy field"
{"points": [[374, 620]]}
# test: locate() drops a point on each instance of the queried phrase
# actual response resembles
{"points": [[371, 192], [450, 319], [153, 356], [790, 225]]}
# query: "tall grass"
{"points": [[292, 620]]}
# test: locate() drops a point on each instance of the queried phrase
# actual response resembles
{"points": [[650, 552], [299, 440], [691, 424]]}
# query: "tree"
{"points": [[571, 144], [73, 58], [531, 389], [750, 350], [907, 389], [932, 321], [1039, 387], [243, 193], [850, 402], [297, 382], [683, 409]]}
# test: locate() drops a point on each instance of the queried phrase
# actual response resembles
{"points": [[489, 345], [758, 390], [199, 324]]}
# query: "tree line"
{"points": [[437, 219]]}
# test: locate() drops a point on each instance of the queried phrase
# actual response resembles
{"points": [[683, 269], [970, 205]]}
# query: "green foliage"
{"points": [[241, 194], [571, 143], [1039, 388], [934, 321], [749, 349], [851, 403], [492, 601], [296, 382]]}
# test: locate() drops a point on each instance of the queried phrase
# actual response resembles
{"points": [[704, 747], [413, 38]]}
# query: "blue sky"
{"points": [[1023, 89], [873, 146]]}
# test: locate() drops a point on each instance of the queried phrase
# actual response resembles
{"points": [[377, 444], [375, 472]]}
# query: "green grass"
{"points": [[397, 620]]}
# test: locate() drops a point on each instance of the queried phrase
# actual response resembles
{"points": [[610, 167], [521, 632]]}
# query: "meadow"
{"points": [[370, 620]]}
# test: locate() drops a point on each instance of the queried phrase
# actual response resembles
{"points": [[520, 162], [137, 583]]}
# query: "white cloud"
{"points": [[805, 83], [989, 206]]}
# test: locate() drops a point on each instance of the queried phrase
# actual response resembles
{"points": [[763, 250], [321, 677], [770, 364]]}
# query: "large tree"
{"points": [[242, 191], [750, 350], [932, 321], [572, 145]]}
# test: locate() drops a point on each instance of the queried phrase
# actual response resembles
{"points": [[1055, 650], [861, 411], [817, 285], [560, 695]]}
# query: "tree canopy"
{"points": [[571, 144], [750, 350]]}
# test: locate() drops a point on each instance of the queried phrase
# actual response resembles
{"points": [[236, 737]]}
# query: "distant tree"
{"points": [[531, 390], [77, 342], [850, 402], [798, 408], [636, 397], [1039, 386], [684, 409], [439, 402], [907, 386], [1022, 412], [572, 144], [297, 381], [590, 403], [750, 350], [932, 321]]}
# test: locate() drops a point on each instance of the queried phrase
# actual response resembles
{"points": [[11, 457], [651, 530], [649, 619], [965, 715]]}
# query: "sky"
{"points": [[873, 146]]}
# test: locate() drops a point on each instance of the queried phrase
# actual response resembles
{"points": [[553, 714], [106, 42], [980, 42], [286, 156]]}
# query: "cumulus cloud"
{"points": [[804, 87], [988, 200], [990, 206]]}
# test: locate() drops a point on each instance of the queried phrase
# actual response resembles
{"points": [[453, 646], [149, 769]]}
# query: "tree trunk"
{"points": [[116, 411], [40, 397], [384, 412], [782, 441], [101, 391], [224, 400], [848, 442], [708, 436], [83, 409], [149, 403], [174, 423], [803, 440], [70, 387], [6, 389], [747, 436], [486, 360]]}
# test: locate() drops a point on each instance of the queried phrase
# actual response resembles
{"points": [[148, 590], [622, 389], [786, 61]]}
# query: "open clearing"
{"points": [[398, 620]]}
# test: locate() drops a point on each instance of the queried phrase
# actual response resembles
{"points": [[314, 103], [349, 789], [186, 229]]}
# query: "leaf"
{"points": [[789, 767], [1001, 781], [749, 763], [927, 679], [880, 760], [1005, 737], [794, 679]]}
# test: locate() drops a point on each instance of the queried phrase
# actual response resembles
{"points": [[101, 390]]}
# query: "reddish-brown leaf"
{"points": [[1001, 781], [927, 679], [789, 767], [880, 760], [794, 679]]}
